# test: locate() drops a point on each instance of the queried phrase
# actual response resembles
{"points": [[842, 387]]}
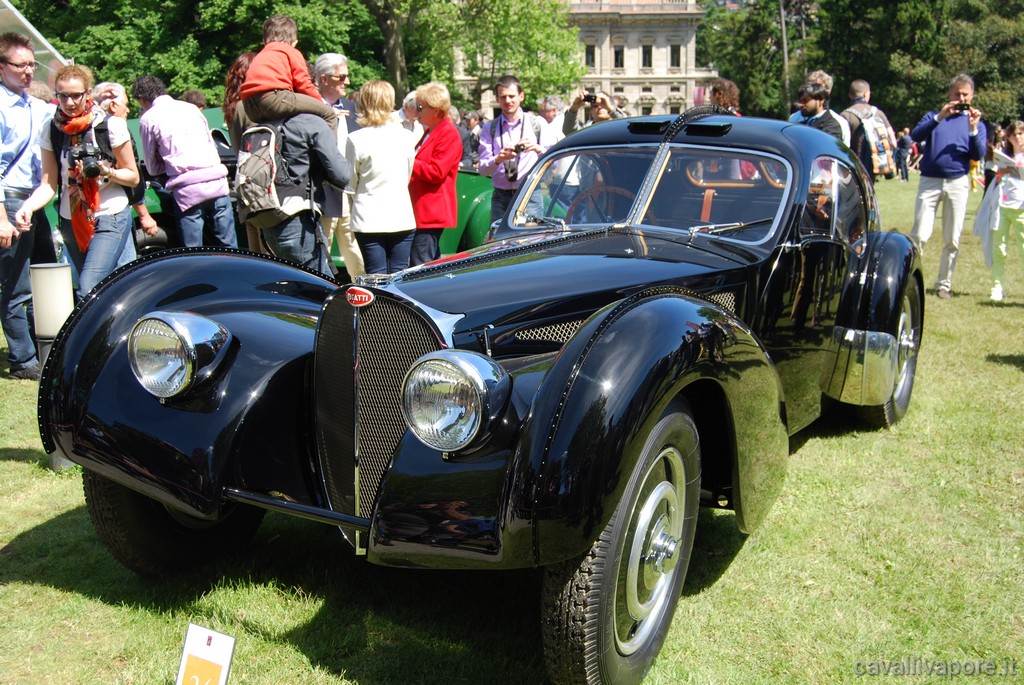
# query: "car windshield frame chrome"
{"points": [[663, 152]]}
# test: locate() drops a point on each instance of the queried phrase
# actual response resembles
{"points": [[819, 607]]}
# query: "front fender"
{"points": [[609, 387], [247, 426]]}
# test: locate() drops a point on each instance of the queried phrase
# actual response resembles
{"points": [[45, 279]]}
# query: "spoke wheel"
{"points": [[606, 615], [908, 341]]}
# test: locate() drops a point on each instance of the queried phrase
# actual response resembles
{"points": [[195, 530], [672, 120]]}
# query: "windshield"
{"points": [[737, 195]]}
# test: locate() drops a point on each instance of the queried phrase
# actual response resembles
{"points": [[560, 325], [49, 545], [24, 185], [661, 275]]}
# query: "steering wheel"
{"points": [[590, 195]]}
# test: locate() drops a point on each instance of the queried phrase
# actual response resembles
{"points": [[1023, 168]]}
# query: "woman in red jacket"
{"points": [[432, 186]]}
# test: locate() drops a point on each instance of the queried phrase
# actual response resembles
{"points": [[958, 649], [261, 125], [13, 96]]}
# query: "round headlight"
{"points": [[451, 397], [169, 350], [160, 358]]}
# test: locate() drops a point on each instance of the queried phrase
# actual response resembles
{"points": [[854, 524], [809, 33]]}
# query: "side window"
{"points": [[835, 203], [851, 218]]}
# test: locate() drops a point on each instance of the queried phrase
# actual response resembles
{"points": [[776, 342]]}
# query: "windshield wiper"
{"points": [[722, 228], [551, 221]]}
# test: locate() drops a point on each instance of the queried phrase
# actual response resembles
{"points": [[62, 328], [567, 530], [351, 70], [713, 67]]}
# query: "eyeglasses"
{"points": [[70, 97], [337, 77], [23, 66], [419, 107]]}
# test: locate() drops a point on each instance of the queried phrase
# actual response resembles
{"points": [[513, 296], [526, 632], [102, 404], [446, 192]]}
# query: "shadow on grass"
{"points": [[374, 625], [717, 542], [25, 456], [1016, 360]]}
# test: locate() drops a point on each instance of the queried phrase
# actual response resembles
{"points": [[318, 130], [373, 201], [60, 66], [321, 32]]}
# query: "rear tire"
{"points": [[156, 541], [908, 341], [605, 615]]}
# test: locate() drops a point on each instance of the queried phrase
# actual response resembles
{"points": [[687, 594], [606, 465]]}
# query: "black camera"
{"points": [[962, 107], [519, 147], [88, 155], [590, 98]]}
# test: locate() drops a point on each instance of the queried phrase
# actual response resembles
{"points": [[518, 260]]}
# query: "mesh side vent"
{"points": [[726, 300], [559, 332]]}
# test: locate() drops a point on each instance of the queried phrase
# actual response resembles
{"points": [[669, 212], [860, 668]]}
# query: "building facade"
{"points": [[643, 52]]}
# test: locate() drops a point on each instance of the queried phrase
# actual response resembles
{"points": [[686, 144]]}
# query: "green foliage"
{"points": [[190, 43], [908, 50], [757, 66], [529, 38]]}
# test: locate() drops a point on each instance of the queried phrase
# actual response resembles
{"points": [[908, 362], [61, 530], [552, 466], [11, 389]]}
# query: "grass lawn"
{"points": [[888, 550]]}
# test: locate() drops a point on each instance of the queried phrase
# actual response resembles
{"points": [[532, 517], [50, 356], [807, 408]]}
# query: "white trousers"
{"points": [[953, 194]]}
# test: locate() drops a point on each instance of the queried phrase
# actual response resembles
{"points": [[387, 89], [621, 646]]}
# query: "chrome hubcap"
{"points": [[648, 566]]}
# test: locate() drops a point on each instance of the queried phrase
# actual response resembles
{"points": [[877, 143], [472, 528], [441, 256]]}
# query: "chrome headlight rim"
{"points": [[490, 386], [202, 343]]}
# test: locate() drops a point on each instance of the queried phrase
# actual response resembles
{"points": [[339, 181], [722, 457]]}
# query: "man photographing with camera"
{"points": [[508, 145], [601, 109], [953, 136]]}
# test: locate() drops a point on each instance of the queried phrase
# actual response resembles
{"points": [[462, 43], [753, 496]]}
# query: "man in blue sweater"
{"points": [[953, 136]]}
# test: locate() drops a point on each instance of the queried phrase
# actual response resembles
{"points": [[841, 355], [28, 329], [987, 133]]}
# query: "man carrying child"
{"points": [[277, 84]]}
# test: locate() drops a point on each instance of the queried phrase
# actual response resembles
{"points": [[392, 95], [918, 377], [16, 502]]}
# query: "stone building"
{"points": [[642, 51]]}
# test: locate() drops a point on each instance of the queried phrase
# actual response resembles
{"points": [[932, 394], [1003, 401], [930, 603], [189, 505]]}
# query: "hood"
{"points": [[555, 275]]}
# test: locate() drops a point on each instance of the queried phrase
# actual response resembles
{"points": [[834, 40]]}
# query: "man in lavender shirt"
{"points": [[509, 147], [176, 143]]}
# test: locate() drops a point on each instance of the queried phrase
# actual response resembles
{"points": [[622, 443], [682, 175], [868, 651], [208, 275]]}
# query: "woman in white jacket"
{"points": [[382, 155]]}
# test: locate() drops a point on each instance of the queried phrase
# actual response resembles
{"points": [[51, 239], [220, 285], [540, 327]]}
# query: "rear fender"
{"points": [[609, 387], [247, 426], [861, 362]]}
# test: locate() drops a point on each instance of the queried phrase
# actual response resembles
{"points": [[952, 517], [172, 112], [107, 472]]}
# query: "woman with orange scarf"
{"points": [[94, 169]]}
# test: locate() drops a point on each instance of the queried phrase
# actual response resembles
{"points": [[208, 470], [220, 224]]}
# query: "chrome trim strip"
{"points": [[332, 518], [860, 366]]}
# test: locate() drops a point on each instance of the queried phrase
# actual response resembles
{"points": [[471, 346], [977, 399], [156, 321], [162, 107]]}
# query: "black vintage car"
{"points": [[666, 302]]}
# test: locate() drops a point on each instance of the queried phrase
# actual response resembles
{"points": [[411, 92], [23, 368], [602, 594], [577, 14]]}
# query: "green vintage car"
{"points": [[474, 197]]}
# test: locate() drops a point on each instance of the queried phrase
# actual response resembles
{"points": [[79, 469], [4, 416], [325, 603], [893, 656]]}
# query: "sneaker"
{"points": [[944, 294], [27, 373], [997, 293]]}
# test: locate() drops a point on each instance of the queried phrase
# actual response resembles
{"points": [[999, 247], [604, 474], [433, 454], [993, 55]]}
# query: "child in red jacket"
{"points": [[277, 84]]}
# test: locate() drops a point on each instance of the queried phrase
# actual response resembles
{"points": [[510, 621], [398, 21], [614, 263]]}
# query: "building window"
{"points": [[675, 56], [674, 109], [645, 111], [673, 89], [646, 89], [619, 57], [646, 56], [590, 57]]}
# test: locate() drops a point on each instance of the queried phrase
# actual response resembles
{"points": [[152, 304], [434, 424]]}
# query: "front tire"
{"points": [[605, 616], [155, 541], [908, 341]]}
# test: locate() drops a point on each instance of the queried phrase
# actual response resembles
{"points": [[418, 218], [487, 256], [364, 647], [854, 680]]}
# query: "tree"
{"points": [[895, 45], [189, 43], [529, 38], [746, 46]]}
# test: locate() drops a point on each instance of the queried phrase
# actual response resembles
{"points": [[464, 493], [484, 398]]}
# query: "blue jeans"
{"points": [[426, 245], [385, 253], [299, 240], [192, 220], [16, 296], [108, 244]]}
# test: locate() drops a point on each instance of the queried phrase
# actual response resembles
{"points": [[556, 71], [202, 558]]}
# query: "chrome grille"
{"points": [[357, 438]]}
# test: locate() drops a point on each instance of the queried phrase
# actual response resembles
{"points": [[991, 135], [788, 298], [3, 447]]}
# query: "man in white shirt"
{"points": [[330, 76], [22, 117]]}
